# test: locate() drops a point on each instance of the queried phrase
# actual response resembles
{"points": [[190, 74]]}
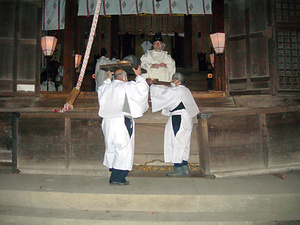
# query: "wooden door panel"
{"points": [[26, 59], [237, 17], [247, 47], [257, 16], [7, 19], [259, 62], [237, 63], [19, 47], [6, 56]]}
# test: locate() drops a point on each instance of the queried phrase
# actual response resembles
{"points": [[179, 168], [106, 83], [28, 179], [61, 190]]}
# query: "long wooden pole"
{"points": [[76, 90]]}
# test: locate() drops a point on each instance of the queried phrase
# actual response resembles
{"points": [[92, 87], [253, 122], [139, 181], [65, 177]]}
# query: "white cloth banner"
{"points": [[108, 7], [87, 7], [54, 10], [162, 7], [200, 7], [135, 7], [128, 7], [54, 15]]}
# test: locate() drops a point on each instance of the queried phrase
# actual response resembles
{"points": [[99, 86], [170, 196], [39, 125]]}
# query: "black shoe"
{"points": [[119, 183]]}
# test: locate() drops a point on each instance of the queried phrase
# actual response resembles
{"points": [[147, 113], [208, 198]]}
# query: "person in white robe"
{"points": [[114, 59], [178, 103], [120, 102], [131, 58], [158, 63], [48, 85], [101, 75]]}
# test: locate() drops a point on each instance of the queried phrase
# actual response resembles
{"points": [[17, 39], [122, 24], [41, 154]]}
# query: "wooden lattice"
{"points": [[287, 16], [287, 10], [288, 59]]}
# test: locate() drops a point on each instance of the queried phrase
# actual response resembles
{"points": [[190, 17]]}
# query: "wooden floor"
{"points": [[195, 80]]}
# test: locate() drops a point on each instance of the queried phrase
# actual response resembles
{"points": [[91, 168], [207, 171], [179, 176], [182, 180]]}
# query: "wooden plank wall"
{"points": [[54, 145], [228, 143], [244, 143]]}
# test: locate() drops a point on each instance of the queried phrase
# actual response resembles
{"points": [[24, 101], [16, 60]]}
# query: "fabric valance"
{"points": [[54, 10], [54, 15], [137, 7]]}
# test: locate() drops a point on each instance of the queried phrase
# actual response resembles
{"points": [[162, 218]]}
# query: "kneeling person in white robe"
{"points": [[178, 103], [120, 102]]}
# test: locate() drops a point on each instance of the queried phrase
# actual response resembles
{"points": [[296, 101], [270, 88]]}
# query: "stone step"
{"points": [[33, 216], [50, 199], [252, 194], [152, 201]]}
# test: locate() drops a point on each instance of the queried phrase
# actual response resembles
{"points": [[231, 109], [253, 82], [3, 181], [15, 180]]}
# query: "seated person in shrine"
{"points": [[158, 63]]}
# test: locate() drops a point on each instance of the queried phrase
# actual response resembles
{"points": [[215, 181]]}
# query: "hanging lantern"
{"points": [[48, 44], [77, 60], [218, 42]]}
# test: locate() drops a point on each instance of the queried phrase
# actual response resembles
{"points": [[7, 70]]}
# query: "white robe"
{"points": [[101, 75], [119, 146], [176, 148], [51, 86], [114, 61], [154, 57]]}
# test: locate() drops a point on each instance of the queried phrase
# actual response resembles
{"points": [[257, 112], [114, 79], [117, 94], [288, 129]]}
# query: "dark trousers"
{"points": [[184, 163], [118, 175], [129, 125], [176, 121]]}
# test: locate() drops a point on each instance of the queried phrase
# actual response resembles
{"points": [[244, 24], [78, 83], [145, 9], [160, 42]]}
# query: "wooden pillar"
{"points": [[69, 45], [16, 44], [203, 146], [218, 15], [15, 123], [264, 138], [114, 35], [188, 62], [68, 144], [218, 26], [219, 72]]}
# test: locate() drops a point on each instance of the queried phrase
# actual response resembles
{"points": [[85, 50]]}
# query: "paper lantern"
{"points": [[218, 41], [48, 44]]}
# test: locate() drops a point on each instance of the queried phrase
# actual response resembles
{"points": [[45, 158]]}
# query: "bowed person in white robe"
{"points": [[158, 63], [120, 102], [178, 103]]}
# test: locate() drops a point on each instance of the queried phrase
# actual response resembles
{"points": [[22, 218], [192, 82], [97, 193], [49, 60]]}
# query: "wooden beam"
{"points": [[218, 26], [69, 45], [114, 35], [203, 147], [15, 129], [16, 44], [218, 15], [188, 62], [264, 139], [68, 141]]}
